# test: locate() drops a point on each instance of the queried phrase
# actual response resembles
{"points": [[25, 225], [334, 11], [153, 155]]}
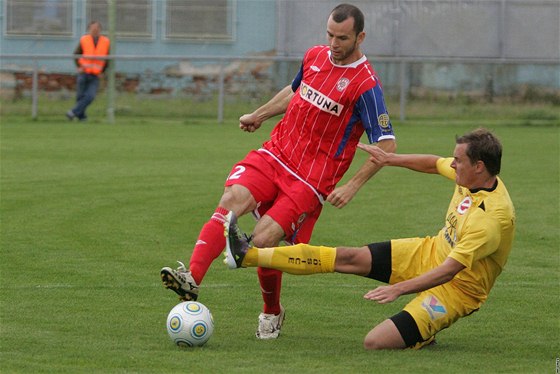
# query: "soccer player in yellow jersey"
{"points": [[451, 273]]}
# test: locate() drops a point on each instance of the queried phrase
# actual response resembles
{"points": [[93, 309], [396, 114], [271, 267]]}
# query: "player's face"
{"points": [[466, 171], [343, 41]]}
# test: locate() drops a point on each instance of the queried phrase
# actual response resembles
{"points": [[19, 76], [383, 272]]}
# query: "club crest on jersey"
{"points": [[383, 120], [319, 100], [342, 84], [464, 205]]}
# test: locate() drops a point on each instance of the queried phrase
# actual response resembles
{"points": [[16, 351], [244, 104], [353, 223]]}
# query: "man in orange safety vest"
{"points": [[89, 69]]}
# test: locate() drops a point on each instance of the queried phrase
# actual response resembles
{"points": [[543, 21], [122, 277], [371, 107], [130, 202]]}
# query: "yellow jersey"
{"points": [[478, 232]]}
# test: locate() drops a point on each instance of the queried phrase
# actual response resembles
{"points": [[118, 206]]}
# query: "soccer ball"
{"points": [[190, 324]]}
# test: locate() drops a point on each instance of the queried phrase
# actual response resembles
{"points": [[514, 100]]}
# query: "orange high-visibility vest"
{"points": [[91, 66]]}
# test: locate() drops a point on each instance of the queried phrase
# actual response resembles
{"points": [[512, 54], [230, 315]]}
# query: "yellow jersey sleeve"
{"points": [[444, 167], [480, 238]]}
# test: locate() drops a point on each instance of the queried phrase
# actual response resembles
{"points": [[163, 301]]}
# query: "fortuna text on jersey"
{"points": [[319, 100]]}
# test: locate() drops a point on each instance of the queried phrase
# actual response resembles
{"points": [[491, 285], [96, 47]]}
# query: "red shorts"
{"points": [[289, 201]]}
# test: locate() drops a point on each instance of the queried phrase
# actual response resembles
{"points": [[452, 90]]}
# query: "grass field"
{"points": [[90, 213]]}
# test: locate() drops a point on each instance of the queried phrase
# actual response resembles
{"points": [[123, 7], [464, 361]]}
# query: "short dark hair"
{"points": [[94, 22], [483, 146], [344, 11]]}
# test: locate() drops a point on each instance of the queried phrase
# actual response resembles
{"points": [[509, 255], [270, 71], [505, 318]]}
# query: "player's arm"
{"points": [[277, 105], [78, 51], [107, 62], [439, 275], [342, 195], [417, 162]]}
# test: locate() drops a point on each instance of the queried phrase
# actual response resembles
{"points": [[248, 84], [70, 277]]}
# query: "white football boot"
{"points": [[180, 281], [270, 325]]}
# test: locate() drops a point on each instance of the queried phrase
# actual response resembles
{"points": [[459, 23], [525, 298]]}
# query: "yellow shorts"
{"points": [[437, 308]]}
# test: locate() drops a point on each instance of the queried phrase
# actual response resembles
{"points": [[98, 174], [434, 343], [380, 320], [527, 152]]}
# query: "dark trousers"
{"points": [[87, 85]]}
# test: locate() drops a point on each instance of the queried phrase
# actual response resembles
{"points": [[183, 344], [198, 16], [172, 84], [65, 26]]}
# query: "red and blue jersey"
{"points": [[332, 107]]}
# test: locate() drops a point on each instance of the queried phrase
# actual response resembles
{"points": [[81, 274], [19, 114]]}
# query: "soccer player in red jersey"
{"points": [[335, 98]]}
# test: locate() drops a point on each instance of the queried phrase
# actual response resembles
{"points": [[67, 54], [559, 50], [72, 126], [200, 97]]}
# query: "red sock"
{"points": [[271, 284], [210, 244]]}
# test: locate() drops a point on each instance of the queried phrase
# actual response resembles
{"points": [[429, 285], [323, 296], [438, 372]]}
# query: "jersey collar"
{"points": [[475, 190], [355, 64]]}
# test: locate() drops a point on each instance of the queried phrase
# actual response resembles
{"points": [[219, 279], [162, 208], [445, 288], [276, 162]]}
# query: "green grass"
{"points": [[90, 213]]}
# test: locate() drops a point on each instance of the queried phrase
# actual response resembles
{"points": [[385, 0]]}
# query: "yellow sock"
{"points": [[299, 259], [251, 258]]}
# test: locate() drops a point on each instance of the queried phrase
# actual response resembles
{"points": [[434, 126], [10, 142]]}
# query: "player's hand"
{"points": [[249, 122], [383, 294], [377, 155], [341, 196]]}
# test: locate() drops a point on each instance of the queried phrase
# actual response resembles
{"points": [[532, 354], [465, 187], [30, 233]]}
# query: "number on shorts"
{"points": [[237, 173]]}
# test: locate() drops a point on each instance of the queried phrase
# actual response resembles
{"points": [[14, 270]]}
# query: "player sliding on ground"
{"points": [[451, 273]]}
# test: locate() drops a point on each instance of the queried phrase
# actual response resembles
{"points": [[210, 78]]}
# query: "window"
{"points": [[133, 17], [39, 17], [199, 19]]}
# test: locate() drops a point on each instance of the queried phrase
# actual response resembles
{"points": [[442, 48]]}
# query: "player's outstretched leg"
{"points": [[300, 259], [180, 281]]}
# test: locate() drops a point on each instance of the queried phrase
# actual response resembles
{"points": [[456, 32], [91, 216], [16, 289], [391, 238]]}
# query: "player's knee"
{"points": [[265, 238], [384, 336], [227, 199], [352, 257], [372, 344], [374, 340], [238, 199], [376, 343], [344, 256], [267, 233]]}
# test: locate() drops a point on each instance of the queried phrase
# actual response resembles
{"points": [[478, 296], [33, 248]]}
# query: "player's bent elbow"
{"points": [[388, 145]]}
